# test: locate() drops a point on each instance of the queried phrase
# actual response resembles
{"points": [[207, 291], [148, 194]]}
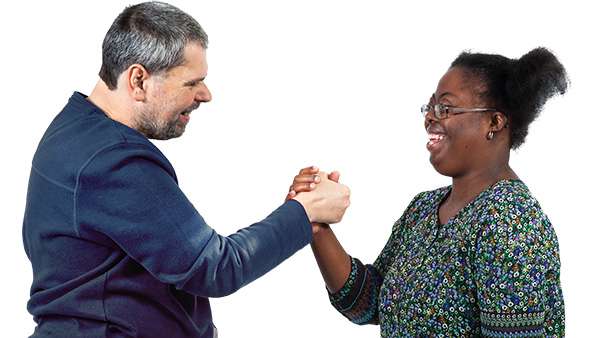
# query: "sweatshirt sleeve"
{"points": [[127, 195]]}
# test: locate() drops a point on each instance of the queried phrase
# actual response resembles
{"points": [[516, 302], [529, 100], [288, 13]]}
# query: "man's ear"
{"points": [[137, 77], [498, 121]]}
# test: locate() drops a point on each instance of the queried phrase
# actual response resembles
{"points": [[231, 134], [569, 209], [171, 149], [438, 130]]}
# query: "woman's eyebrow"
{"points": [[446, 94]]}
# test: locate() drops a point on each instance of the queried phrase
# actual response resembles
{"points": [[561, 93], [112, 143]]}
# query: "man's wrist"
{"points": [[307, 201]]}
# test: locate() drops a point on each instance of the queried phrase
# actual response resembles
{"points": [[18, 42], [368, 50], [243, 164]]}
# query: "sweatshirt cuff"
{"points": [[297, 211]]}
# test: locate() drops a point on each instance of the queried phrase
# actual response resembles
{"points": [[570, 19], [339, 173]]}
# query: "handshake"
{"points": [[324, 199]]}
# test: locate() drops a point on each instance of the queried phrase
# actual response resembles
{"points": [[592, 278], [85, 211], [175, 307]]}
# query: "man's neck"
{"points": [[111, 103]]}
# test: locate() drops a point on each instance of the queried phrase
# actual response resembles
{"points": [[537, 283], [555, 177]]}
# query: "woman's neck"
{"points": [[466, 187]]}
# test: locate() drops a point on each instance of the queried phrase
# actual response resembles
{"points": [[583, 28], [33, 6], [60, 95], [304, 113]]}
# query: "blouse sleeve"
{"points": [[517, 271], [358, 299]]}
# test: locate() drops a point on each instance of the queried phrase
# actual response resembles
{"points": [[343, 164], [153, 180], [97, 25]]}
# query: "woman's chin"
{"points": [[436, 160], [440, 166]]}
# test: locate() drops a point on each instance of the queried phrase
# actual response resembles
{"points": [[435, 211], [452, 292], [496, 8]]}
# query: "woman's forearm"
{"points": [[333, 261]]}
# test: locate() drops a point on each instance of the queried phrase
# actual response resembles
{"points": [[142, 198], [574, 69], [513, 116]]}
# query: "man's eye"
{"points": [[193, 83]]}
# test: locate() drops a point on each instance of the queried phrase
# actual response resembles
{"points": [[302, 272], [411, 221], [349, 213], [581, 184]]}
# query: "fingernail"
{"points": [[312, 185], [317, 178], [292, 193]]}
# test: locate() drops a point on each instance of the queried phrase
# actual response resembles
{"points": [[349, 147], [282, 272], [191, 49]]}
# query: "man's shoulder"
{"points": [[79, 134]]}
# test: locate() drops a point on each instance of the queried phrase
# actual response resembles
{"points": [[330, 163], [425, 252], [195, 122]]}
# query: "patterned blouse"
{"points": [[491, 271]]}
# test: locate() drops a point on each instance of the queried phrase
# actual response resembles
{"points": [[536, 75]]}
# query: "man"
{"points": [[116, 248]]}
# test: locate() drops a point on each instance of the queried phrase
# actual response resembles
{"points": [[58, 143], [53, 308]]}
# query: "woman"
{"points": [[477, 258]]}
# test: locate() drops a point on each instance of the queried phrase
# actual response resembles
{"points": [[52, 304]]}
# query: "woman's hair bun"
{"points": [[535, 77], [519, 87]]}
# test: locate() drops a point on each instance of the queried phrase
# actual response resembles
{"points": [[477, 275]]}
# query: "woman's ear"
{"points": [[498, 121]]}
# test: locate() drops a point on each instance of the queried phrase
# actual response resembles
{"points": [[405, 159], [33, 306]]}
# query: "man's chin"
{"points": [[179, 130], [167, 135]]}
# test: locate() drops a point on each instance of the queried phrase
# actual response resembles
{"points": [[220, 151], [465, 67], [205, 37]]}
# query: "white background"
{"points": [[332, 83]]}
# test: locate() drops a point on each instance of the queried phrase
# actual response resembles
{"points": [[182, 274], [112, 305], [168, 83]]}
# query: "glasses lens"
{"points": [[425, 109], [440, 111]]}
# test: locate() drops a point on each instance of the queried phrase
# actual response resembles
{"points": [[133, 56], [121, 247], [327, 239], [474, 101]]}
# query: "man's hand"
{"points": [[324, 200]]}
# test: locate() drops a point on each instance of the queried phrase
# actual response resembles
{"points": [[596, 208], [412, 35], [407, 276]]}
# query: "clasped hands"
{"points": [[324, 199]]}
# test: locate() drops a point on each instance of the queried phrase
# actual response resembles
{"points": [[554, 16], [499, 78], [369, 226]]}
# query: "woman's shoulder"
{"points": [[511, 196], [510, 208]]}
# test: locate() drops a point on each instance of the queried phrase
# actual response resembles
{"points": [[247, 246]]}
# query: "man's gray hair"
{"points": [[153, 34]]}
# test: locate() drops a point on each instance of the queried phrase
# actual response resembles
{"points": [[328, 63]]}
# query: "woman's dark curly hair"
{"points": [[516, 87]]}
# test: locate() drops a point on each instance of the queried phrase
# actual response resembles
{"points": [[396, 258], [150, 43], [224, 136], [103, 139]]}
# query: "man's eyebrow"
{"points": [[194, 81]]}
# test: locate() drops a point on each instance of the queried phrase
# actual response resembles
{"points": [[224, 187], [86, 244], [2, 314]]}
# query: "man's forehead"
{"points": [[194, 51], [193, 67], [195, 57]]}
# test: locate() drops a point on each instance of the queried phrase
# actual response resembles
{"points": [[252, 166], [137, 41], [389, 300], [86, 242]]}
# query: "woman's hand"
{"points": [[306, 180]]}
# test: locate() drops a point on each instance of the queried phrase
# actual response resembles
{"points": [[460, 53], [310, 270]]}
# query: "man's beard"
{"points": [[151, 125]]}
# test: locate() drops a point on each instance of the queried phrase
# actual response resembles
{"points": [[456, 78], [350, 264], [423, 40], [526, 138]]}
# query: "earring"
{"points": [[490, 135]]}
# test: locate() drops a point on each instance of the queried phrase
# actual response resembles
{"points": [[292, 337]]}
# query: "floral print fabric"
{"points": [[493, 270]]}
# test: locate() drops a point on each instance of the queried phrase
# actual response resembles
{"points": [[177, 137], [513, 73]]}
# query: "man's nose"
{"points": [[203, 94]]}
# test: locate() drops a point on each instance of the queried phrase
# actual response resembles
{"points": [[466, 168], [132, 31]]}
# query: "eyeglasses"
{"points": [[441, 111]]}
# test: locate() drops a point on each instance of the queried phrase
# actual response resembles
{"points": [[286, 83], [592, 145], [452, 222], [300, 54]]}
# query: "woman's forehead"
{"points": [[455, 85]]}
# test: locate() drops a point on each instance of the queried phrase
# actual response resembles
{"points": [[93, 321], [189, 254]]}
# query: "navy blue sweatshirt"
{"points": [[117, 249]]}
